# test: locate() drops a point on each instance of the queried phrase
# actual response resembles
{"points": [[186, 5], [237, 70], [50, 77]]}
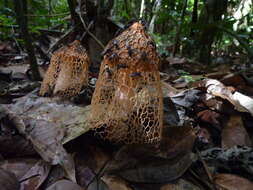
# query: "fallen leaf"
{"points": [[241, 102], [170, 112], [116, 183], [234, 133], [186, 98], [232, 182], [8, 180], [72, 119], [177, 141], [56, 173], [98, 184], [47, 138], [141, 165], [233, 80], [181, 184], [217, 104], [239, 156], [84, 175], [48, 124], [18, 166], [210, 117], [64, 185], [35, 176], [13, 144]]}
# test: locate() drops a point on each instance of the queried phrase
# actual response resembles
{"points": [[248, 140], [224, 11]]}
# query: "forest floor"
{"points": [[46, 143]]}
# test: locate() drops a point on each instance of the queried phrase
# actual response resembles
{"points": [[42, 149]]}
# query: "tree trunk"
{"points": [[142, 8], [126, 7], [195, 12], [103, 28], [6, 4], [212, 13], [49, 13], [156, 7], [74, 16], [20, 9], [177, 38]]}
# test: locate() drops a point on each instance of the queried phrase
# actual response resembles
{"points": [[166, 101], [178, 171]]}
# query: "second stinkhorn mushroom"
{"points": [[67, 72]]}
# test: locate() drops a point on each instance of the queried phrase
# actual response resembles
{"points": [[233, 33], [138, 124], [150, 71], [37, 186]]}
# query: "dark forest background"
{"points": [[209, 31]]}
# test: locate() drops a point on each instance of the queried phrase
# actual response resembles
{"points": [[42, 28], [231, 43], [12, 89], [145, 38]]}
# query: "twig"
{"points": [[89, 26], [13, 33], [210, 177], [86, 28], [205, 167], [100, 173], [35, 175], [57, 43]]}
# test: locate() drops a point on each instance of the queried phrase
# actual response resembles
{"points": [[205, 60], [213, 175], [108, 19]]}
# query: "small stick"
{"points": [[87, 30], [89, 26], [35, 175]]}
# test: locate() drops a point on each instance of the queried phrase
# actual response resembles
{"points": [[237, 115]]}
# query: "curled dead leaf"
{"points": [[116, 183], [143, 166], [177, 141], [234, 133], [18, 166], [232, 182], [35, 176], [241, 102], [8, 180], [181, 184]]}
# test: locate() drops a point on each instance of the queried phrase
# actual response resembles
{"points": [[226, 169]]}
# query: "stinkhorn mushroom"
{"points": [[127, 103], [67, 72]]}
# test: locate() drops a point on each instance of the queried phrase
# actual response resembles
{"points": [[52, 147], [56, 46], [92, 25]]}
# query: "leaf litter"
{"points": [[46, 142]]}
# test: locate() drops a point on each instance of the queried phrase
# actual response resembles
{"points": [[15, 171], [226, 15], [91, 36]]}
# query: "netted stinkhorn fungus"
{"points": [[67, 72], [127, 103]]}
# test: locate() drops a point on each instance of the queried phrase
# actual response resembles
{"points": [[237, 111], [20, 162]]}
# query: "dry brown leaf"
{"points": [[18, 166], [8, 180], [56, 173], [116, 183], [233, 80], [177, 140], [241, 102], [210, 117], [35, 176], [12, 143], [46, 123], [65, 185], [168, 90], [232, 182], [141, 165], [217, 104], [234, 133], [99, 156], [181, 184], [72, 119]]}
